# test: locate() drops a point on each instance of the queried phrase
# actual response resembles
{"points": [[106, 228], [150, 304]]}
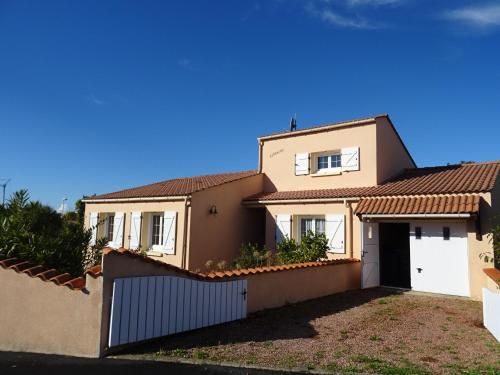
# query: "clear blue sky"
{"points": [[97, 96]]}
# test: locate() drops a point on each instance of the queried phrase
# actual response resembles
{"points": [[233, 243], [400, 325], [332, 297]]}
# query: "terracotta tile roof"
{"points": [[310, 194], [224, 274], [176, 187], [442, 204], [41, 272], [451, 179]]}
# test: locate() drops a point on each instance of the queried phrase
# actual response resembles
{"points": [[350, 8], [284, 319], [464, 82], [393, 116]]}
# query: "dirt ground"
{"points": [[374, 331]]}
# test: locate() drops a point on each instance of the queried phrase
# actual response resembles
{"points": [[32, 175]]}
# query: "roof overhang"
{"points": [[414, 216], [267, 202], [321, 128], [176, 198]]}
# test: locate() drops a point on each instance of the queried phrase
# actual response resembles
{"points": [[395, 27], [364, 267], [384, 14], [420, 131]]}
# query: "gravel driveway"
{"points": [[378, 330]]}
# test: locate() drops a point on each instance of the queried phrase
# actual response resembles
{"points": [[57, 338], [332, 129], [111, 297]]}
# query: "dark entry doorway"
{"points": [[395, 254]]}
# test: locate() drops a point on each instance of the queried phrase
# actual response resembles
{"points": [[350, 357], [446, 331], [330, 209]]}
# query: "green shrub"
{"points": [[35, 232], [287, 251], [312, 248], [251, 255]]}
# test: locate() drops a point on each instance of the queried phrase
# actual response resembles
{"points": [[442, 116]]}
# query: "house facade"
{"points": [[354, 181]]}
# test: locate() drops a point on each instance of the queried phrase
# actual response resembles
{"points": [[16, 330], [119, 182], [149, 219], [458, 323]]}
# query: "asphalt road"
{"points": [[40, 364]]}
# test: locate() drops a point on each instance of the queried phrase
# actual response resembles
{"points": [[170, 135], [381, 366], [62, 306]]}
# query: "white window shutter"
{"points": [[93, 226], [350, 159], [118, 230], [334, 230], [283, 227], [135, 230], [301, 164], [169, 229]]}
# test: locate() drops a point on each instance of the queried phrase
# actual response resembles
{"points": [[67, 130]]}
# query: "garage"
{"points": [[439, 257], [417, 243]]}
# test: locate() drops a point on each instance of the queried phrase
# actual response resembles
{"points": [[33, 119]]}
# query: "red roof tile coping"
{"points": [[229, 273], [95, 271], [41, 272], [493, 274]]}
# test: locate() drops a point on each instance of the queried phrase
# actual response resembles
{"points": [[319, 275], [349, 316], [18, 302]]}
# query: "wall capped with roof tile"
{"points": [[45, 312]]}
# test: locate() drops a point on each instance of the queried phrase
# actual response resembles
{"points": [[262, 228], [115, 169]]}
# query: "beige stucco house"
{"points": [[355, 181]]}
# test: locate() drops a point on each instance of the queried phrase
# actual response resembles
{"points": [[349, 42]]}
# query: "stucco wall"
{"points": [[275, 289], [129, 207], [278, 158], [392, 157], [41, 317], [219, 237], [489, 210], [352, 239]]}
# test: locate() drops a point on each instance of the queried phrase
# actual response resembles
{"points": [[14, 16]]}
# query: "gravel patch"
{"points": [[374, 331]]}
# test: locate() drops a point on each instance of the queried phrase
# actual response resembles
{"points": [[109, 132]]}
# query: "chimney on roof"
{"points": [[293, 123]]}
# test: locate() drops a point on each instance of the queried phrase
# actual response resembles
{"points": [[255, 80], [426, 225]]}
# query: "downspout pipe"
{"points": [[187, 208]]}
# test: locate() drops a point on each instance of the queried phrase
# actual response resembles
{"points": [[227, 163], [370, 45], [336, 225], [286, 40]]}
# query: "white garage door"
{"points": [[439, 258]]}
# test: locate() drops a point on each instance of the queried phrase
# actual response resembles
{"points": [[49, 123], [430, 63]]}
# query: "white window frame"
{"points": [[299, 224], [108, 222], [152, 247], [329, 170]]}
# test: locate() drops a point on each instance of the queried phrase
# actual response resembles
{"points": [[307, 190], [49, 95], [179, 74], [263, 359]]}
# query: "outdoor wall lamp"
{"points": [[213, 210]]}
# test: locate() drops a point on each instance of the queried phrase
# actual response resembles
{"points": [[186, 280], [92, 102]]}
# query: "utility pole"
{"points": [[3, 184], [63, 205]]}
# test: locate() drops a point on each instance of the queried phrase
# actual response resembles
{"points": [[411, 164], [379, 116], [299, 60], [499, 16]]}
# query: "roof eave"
{"points": [[137, 199], [322, 128]]}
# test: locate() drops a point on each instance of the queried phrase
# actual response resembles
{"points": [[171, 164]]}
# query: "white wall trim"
{"points": [[299, 201]]}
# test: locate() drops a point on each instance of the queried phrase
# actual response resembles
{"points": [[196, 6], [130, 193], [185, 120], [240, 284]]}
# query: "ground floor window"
{"points": [[110, 227], [313, 224], [156, 232]]}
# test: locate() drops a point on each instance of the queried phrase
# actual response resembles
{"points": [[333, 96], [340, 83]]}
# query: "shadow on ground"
{"points": [[289, 322], [41, 364]]}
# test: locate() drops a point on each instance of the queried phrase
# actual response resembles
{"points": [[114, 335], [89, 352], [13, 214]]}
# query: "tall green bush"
{"points": [[35, 232]]}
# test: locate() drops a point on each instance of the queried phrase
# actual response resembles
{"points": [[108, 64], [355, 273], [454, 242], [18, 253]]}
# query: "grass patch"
{"points": [[200, 354], [385, 368], [375, 338]]}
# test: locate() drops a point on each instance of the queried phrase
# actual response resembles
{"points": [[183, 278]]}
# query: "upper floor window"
{"points": [[328, 162], [111, 225]]}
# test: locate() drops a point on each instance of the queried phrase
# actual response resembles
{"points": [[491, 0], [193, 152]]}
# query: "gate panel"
{"points": [[147, 307]]}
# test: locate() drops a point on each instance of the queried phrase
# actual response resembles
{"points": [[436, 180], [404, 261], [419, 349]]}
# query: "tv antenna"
{"points": [[293, 122], [3, 184]]}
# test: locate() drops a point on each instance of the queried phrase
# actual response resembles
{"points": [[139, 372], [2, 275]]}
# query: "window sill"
{"points": [[152, 253], [327, 173]]}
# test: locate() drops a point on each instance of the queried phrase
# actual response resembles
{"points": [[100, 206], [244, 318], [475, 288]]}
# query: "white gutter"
{"points": [[301, 201], [139, 199], [416, 216]]}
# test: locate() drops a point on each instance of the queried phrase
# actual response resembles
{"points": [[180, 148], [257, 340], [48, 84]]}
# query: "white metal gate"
{"points": [[152, 306]]}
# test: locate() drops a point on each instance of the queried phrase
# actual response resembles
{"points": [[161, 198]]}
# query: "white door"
{"points": [[370, 271], [439, 265]]}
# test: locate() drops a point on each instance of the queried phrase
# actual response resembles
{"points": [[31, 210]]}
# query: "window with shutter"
{"points": [[334, 230], [169, 229], [93, 226], [301, 164], [135, 230], [283, 227], [350, 159], [117, 240]]}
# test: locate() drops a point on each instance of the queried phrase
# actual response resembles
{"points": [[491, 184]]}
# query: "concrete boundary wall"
{"points": [[44, 317]]}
